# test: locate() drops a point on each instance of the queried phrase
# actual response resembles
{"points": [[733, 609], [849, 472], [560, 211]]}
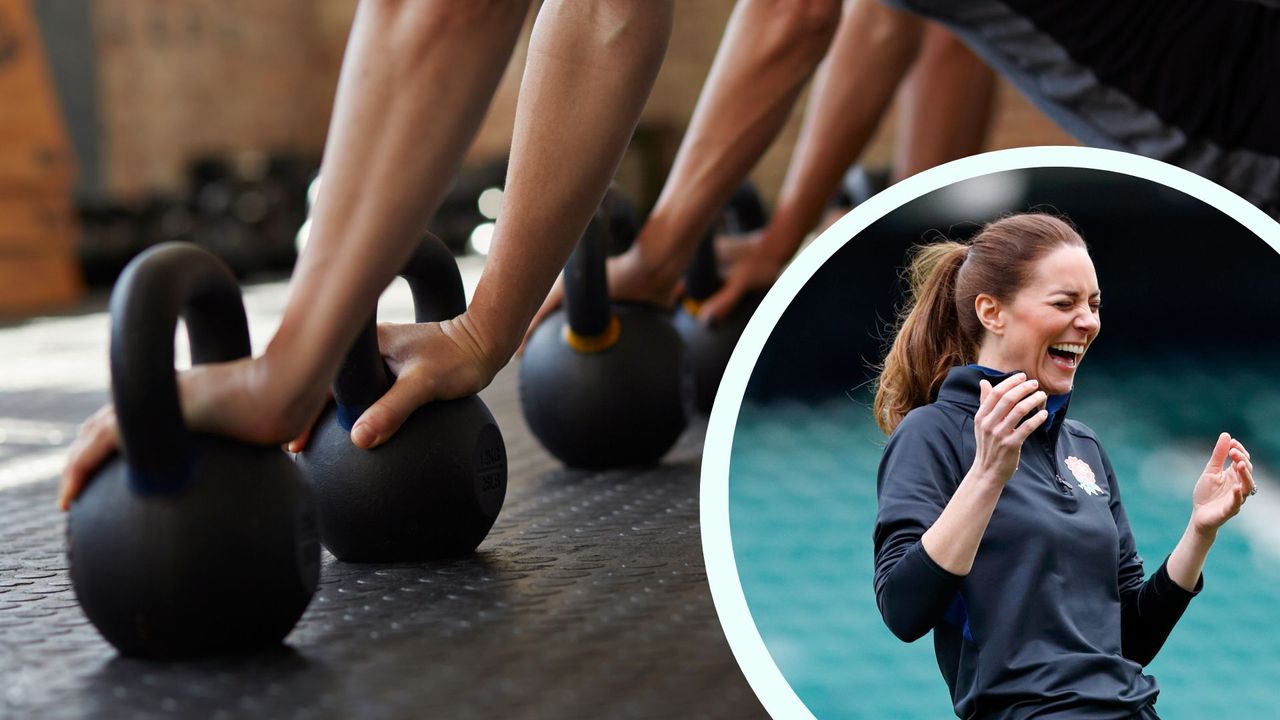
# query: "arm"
{"points": [[1218, 496], [1150, 609], [770, 49], [590, 69], [874, 47], [945, 105], [416, 79], [927, 536], [414, 86], [917, 476]]}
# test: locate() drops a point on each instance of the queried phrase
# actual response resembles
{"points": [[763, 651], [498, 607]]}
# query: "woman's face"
{"points": [[1050, 324]]}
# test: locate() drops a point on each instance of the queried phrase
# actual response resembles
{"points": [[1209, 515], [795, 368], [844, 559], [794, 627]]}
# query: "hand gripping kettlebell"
{"points": [[435, 488], [187, 544], [601, 383], [710, 345]]}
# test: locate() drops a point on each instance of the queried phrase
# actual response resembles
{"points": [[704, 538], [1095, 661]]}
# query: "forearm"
{"points": [[953, 539], [769, 51], [590, 69], [945, 105], [873, 49], [1149, 612], [415, 83], [917, 580], [1186, 562]]}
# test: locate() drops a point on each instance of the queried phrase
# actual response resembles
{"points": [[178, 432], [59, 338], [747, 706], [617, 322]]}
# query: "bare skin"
{"points": [[574, 79], [944, 110], [874, 48], [945, 106], [601, 55], [769, 51], [871, 52]]}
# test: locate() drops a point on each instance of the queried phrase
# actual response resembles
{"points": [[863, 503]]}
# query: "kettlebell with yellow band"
{"points": [[602, 383], [709, 345]]}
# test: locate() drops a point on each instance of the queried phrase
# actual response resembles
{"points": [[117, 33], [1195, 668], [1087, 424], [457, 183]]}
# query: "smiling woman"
{"points": [[951, 280], [1000, 526]]}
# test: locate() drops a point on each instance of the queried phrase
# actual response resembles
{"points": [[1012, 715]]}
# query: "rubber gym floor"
{"points": [[588, 599]]}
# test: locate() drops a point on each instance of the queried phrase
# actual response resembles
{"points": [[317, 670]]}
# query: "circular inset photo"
{"points": [[1001, 443]]}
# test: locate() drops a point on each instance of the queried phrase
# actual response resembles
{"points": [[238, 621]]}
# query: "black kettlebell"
{"points": [[623, 223], [435, 488], [745, 211], [601, 383], [710, 345], [187, 544]]}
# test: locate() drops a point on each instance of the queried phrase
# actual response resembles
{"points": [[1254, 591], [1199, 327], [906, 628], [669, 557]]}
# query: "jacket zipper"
{"points": [[1063, 486]]}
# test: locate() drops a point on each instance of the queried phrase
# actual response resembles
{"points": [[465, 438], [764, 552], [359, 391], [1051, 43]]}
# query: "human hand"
{"points": [[96, 442], [630, 278], [747, 265], [241, 399], [1221, 491], [995, 425], [431, 361]]}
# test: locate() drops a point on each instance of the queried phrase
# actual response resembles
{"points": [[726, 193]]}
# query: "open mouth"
{"points": [[1066, 355]]}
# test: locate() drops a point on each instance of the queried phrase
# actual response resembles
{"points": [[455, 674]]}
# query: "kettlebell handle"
{"points": [[702, 277], [586, 281], [436, 286], [168, 281]]}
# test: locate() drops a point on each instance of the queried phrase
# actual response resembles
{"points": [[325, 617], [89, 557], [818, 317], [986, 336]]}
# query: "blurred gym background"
{"points": [[130, 122], [1188, 349]]}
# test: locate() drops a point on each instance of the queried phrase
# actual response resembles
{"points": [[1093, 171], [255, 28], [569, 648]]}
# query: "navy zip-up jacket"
{"points": [[1054, 620]]}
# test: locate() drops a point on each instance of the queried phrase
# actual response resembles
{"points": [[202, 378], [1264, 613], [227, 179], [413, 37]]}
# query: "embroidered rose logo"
{"points": [[1084, 475]]}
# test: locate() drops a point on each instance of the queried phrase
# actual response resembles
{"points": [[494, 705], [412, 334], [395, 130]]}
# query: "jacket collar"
{"points": [[960, 388]]}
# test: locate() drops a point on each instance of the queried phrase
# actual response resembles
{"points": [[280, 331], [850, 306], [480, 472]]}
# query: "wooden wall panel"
{"points": [[38, 268]]}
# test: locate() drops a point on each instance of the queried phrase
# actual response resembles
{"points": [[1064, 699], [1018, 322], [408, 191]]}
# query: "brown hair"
{"points": [[938, 327]]}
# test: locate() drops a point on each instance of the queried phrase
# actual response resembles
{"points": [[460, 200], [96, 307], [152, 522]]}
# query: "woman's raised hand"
{"points": [[996, 424], [1223, 486]]}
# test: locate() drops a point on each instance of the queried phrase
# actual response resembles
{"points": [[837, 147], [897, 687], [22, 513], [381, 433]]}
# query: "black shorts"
{"points": [[1189, 82]]}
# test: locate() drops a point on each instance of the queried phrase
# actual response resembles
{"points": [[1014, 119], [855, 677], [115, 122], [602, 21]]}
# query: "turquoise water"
{"points": [[802, 505]]}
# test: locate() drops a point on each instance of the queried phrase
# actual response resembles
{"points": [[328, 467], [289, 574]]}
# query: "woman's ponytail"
{"points": [[930, 339]]}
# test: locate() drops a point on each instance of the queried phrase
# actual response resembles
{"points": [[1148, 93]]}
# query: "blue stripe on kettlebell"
{"points": [[165, 481], [348, 415]]}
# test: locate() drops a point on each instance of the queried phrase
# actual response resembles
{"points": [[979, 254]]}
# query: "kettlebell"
{"points": [[187, 544], [710, 345], [623, 219], [601, 383], [435, 488], [745, 212]]}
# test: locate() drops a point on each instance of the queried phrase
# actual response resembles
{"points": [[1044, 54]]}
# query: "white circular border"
{"points": [[717, 543]]}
